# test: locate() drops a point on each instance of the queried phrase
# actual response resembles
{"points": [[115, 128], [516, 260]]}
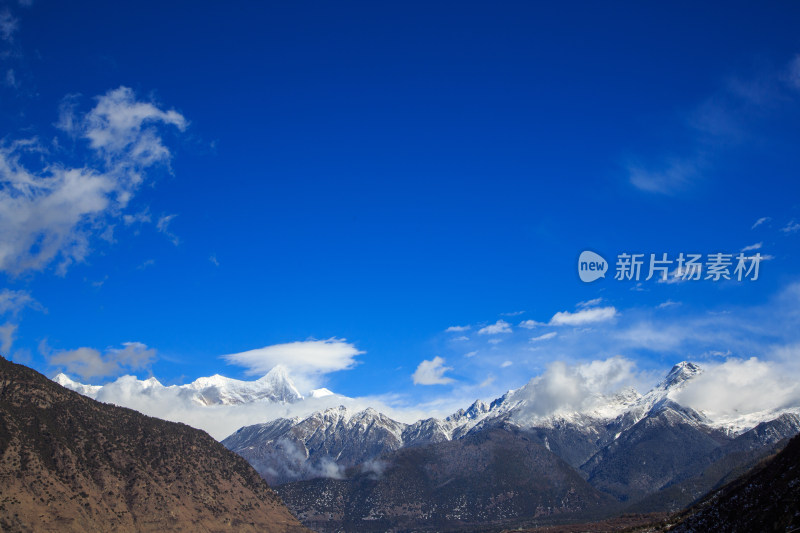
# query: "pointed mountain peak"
{"points": [[278, 373], [681, 372], [63, 379], [320, 393], [477, 408]]}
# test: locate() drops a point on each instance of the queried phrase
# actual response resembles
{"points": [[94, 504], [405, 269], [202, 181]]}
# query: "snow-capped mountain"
{"points": [[276, 386], [86, 390], [339, 438]]}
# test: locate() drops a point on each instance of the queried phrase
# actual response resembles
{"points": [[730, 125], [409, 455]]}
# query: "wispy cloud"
{"points": [[7, 335], [544, 337], [762, 220], [673, 177], [51, 213], [91, 363], [792, 227], [583, 317], [163, 227], [723, 120], [457, 328], [13, 301], [590, 303], [8, 25], [756, 246]]}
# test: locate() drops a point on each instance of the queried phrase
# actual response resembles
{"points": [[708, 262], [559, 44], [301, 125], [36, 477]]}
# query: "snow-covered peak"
{"points": [[320, 393], [276, 386], [87, 390], [679, 375]]}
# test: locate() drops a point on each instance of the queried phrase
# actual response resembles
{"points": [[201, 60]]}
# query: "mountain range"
{"points": [[275, 386], [514, 462], [339, 469]]}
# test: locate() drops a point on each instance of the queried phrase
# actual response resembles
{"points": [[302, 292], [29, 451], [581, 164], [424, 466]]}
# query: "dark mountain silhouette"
{"points": [[69, 463], [765, 499]]}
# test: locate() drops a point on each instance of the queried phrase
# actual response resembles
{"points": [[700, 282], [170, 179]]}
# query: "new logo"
{"points": [[591, 266]]}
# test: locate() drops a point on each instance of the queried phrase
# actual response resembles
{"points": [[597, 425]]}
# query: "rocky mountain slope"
{"points": [[639, 452], [767, 498], [488, 479], [69, 463], [610, 431]]}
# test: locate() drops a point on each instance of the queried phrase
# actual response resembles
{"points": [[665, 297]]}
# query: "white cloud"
{"points": [[501, 326], [506, 364], [8, 25], [741, 386], [760, 221], [586, 316], [756, 246], [668, 303], [90, 363], [214, 260], [791, 227], [140, 218], [51, 213], [674, 177], [7, 334], [513, 313], [530, 324], [13, 302], [460, 338], [471, 354], [564, 387], [495, 340], [120, 127], [432, 373], [544, 337], [307, 360], [457, 328], [163, 227], [590, 303]]}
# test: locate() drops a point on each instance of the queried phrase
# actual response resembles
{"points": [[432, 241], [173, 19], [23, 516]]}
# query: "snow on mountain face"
{"points": [[86, 390], [321, 445], [330, 441], [276, 386]]}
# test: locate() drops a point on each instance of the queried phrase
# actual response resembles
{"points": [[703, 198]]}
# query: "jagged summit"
{"points": [[679, 374], [347, 436], [275, 386]]}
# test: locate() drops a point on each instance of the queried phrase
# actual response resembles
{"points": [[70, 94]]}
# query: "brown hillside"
{"points": [[69, 463]]}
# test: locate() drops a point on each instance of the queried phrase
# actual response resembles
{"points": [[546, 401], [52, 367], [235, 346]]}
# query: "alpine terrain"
{"points": [[488, 464]]}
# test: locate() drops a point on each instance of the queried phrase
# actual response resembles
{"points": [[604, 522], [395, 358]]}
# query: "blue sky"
{"points": [[183, 182]]}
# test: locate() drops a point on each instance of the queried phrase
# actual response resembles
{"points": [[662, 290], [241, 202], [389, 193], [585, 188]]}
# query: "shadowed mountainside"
{"points": [[489, 479], [69, 463]]}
